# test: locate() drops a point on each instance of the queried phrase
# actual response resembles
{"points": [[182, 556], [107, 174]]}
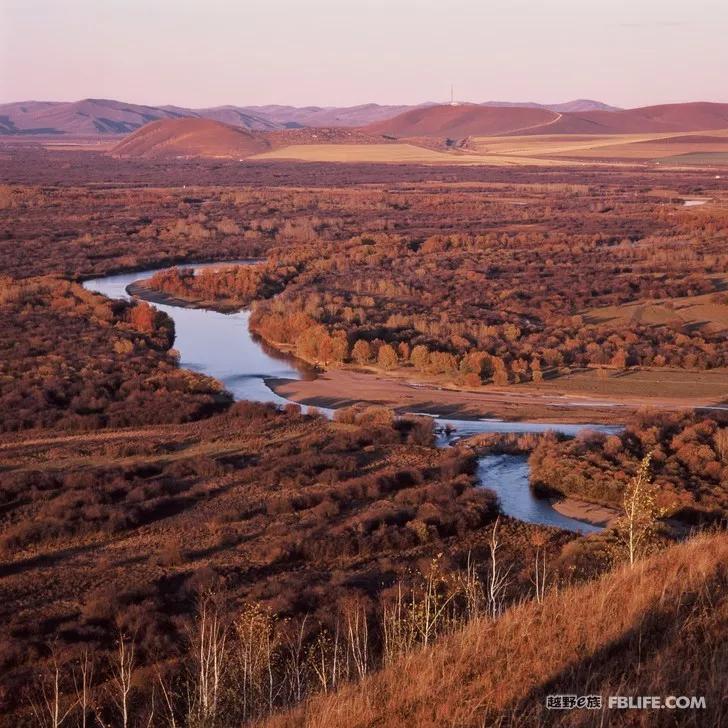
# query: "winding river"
{"points": [[221, 346]]}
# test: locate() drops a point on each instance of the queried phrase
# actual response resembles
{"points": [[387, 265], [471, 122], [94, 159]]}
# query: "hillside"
{"points": [[190, 138], [698, 116], [654, 630], [471, 120], [462, 121], [100, 117], [328, 116], [236, 116], [364, 114], [86, 117], [575, 105], [582, 105]]}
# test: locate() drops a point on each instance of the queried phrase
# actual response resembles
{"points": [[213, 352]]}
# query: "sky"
{"points": [[341, 52]]}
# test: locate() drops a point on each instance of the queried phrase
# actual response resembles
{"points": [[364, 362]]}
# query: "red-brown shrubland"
{"points": [[688, 464], [144, 519], [72, 359], [286, 511]]}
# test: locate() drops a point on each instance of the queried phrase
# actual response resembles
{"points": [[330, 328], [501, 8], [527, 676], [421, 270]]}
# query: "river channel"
{"points": [[222, 346]]}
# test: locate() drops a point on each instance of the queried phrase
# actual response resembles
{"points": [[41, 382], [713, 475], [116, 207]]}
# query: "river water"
{"points": [[221, 346]]}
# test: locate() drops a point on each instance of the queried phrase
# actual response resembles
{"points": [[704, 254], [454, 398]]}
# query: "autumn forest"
{"points": [[172, 554]]}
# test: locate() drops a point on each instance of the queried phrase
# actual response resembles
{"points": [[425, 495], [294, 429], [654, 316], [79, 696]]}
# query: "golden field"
{"points": [[527, 150], [604, 147], [395, 153]]}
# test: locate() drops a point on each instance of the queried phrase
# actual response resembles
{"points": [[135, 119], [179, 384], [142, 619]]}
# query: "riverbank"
{"points": [[332, 389], [400, 390], [581, 510], [224, 346]]}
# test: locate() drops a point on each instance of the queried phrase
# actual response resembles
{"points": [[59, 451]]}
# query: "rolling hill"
{"points": [[697, 116], [104, 117], [101, 117], [236, 116], [328, 116], [471, 120], [462, 121], [465, 133], [364, 114], [190, 137]]}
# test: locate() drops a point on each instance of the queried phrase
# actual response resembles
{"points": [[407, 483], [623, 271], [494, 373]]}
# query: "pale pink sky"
{"points": [[339, 52]]}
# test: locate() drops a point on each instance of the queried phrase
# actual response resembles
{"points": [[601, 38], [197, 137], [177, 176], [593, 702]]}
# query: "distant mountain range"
{"points": [[102, 117], [568, 107]]}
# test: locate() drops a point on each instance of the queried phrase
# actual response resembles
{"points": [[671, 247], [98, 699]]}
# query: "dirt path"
{"points": [[558, 117], [17, 441]]}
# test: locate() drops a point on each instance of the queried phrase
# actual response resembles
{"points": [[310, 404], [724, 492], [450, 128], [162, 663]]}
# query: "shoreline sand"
{"points": [[581, 510]]}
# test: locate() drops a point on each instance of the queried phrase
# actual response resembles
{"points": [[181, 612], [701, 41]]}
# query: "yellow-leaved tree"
{"points": [[636, 528]]}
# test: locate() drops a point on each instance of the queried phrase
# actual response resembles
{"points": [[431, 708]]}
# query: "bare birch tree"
{"points": [[82, 683], [498, 577], [122, 669], [51, 707], [210, 655]]}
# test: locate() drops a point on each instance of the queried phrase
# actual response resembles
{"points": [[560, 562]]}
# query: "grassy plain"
{"points": [[695, 311], [606, 148], [394, 153], [658, 388], [528, 150]]}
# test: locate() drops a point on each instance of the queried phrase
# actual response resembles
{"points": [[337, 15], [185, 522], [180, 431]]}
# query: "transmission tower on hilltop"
{"points": [[452, 96]]}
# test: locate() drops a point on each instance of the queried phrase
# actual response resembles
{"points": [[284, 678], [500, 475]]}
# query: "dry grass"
{"points": [[124, 528], [529, 150], [654, 630], [687, 310], [394, 153], [667, 386], [649, 150], [556, 143], [637, 147]]}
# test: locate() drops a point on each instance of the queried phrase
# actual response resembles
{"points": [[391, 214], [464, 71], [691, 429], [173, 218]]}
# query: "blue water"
{"points": [[217, 344], [221, 346], [507, 476]]}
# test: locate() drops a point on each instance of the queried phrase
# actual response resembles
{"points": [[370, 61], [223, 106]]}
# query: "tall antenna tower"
{"points": [[452, 96]]}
